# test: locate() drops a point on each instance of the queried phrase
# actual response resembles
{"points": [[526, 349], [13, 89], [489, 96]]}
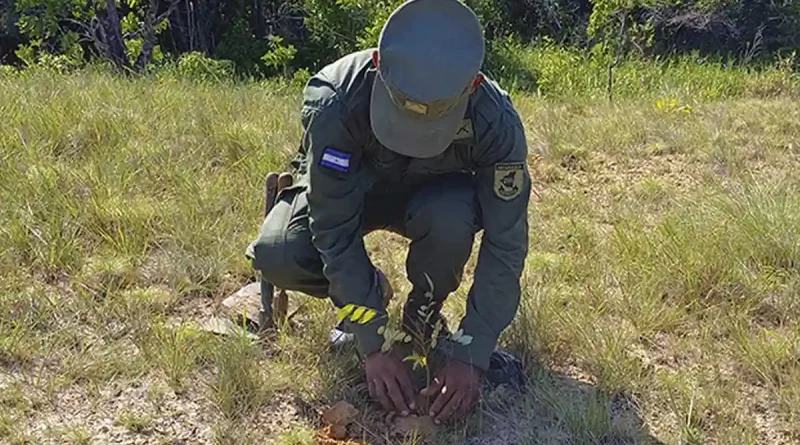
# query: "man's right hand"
{"points": [[390, 383]]}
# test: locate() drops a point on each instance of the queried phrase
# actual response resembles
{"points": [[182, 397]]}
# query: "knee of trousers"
{"points": [[281, 260], [452, 238], [447, 230], [440, 251]]}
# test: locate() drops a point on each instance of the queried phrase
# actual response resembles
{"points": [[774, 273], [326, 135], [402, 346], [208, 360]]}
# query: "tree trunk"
{"points": [[191, 20], [179, 28], [9, 34], [259, 24], [110, 37], [9, 13], [148, 37], [202, 30]]}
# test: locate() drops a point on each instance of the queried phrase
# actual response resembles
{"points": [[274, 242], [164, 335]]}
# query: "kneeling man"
{"points": [[408, 137]]}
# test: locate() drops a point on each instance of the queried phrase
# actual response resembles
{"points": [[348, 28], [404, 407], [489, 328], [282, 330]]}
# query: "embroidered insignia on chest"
{"points": [[465, 131], [509, 179], [335, 159]]}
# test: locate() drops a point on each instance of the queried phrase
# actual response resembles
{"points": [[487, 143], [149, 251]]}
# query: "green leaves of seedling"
{"points": [[461, 338], [419, 360], [429, 294], [391, 336], [437, 329]]}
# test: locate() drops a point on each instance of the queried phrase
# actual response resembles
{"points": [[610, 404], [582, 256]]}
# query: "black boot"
{"points": [[506, 369]]}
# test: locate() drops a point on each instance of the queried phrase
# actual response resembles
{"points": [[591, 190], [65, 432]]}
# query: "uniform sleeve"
{"points": [[336, 189], [503, 193]]}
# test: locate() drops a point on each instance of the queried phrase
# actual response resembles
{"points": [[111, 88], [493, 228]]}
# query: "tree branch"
{"points": [[169, 11], [611, 66], [87, 30]]}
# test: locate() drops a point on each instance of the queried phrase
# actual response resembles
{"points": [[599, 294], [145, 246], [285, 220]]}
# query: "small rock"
{"points": [[340, 414], [224, 326], [409, 425], [247, 300], [338, 432]]}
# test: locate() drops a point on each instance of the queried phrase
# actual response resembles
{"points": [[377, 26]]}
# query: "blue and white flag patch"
{"points": [[335, 160]]}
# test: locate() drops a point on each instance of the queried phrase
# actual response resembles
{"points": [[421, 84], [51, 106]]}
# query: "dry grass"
{"points": [[661, 291]]}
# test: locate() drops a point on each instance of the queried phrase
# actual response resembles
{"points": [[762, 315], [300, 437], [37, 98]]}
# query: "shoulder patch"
{"points": [[335, 159], [465, 131], [509, 180]]}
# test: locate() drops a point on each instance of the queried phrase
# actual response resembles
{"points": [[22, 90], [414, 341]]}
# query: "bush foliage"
{"points": [[264, 38]]}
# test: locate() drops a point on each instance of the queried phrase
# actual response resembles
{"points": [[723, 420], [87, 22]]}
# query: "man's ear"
{"points": [[375, 58], [478, 81]]}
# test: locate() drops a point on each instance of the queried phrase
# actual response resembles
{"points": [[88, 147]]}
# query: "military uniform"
{"points": [[350, 184]]}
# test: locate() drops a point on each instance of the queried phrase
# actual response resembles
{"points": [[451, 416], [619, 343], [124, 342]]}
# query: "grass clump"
{"points": [[238, 387], [717, 250], [176, 351], [135, 423]]}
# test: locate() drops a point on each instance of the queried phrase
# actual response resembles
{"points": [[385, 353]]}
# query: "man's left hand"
{"points": [[456, 390]]}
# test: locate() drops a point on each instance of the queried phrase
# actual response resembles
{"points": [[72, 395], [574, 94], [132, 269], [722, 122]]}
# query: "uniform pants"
{"points": [[440, 219]]}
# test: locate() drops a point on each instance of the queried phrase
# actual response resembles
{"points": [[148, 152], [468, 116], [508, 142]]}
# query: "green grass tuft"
{"points": [[238, 386]]}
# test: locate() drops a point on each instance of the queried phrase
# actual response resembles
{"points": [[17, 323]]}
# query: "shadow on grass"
{"points": [[556, 409]]}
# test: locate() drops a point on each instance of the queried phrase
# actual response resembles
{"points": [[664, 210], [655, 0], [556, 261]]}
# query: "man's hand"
{"points": [[456, 388], [390, 383]]}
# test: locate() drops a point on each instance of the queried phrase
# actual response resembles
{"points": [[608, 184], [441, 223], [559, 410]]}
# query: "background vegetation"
{"points": [[258, 38]]}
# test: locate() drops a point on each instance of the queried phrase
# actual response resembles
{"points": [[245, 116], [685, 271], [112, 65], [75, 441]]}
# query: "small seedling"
{"points": [[392, 335]]}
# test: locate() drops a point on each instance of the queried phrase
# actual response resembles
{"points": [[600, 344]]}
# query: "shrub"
{"points": [[199, 67]]}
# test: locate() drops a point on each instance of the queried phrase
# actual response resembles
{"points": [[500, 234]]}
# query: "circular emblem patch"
{"points": [[509, 179]]}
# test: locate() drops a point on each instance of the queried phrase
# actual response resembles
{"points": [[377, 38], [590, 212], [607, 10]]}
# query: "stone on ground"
{"points": [[338, 432], [246, 301], [224, 326], [414, 424], [342, 414]]}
